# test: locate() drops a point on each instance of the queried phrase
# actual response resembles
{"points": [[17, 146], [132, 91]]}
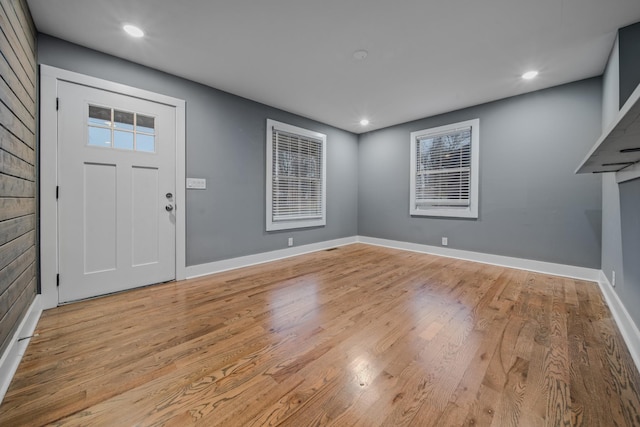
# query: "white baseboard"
{"points": [[623, 319], [13, 354], [248, 260], [574, 272]]}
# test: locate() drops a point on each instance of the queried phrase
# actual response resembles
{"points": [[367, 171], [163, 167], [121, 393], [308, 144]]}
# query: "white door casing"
{"points": [[108, 231]]}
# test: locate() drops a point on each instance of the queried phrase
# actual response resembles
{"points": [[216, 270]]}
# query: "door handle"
{"points": [[169, 208]]}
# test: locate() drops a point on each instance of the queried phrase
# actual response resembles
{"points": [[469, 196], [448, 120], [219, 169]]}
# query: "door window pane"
{"points": [[145, 143], [99, 116], [123, 120], [99, 137], [145, 123], [123, 140], [124, 130]]}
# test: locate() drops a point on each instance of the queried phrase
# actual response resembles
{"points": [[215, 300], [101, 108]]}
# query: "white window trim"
{"points": [[299, 223], [470, 211]]}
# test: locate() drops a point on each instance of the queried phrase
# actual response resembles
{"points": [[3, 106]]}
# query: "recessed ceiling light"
{"points": [[133, 31], [359, 55], [364, 122], [530, 75]]}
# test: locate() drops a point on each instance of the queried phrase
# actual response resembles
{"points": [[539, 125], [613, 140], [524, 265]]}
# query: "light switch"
{"points": [[196, 183]]}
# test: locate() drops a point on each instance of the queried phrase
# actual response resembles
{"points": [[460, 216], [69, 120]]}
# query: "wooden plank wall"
{"points": [[18, 255]]}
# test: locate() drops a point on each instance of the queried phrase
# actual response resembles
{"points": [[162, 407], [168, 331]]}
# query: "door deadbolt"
{"points": [[169, 195]]}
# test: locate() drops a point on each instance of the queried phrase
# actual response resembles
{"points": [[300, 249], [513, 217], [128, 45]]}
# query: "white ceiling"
{"points": [[425, 56]]}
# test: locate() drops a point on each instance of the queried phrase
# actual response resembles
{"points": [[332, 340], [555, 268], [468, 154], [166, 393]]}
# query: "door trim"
{"points": [[49, 78]]}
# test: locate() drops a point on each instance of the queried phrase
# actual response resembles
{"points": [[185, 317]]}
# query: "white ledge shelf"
{"points": [[619, 146]]}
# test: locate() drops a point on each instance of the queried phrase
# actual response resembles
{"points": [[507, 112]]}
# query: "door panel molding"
{"points": [[49, 79]]}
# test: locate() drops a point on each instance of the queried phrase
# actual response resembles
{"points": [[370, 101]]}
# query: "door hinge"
{"points": [[57, 280], [57, 192], [57, 104]]}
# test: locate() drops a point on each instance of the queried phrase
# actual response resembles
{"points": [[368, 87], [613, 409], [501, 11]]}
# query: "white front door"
{"points": [[116, 217]]}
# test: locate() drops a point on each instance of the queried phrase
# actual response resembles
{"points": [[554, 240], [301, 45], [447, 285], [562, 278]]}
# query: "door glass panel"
{"points": [[145, 124], [145, 143], [99, 137], [123, 140], [99, 116], [123, 120], [110, 128]]}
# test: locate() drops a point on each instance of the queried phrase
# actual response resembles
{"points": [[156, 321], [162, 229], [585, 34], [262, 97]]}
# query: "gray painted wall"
{"points": [[532, 205], [620, 203], [612, 231], [630, 222], [629, 39], [226, 145], [611, 225], [611, 86]]}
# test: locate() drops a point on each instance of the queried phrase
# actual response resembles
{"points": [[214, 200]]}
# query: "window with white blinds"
{"points": [[296, 177], [444, 170]]}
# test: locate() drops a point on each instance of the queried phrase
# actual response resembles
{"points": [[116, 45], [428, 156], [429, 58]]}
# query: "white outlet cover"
{"points": [[196, 183], [445, 241], [613, 279]]}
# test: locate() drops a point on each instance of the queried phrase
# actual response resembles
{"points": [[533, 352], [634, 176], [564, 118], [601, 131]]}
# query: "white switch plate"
{"points": [[196, 183]]}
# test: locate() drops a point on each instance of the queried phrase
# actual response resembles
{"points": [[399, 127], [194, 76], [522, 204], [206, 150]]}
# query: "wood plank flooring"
{"points": [[359, 335]]}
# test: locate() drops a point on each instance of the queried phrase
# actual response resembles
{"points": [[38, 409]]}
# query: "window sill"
{"points": [[445, 213]]}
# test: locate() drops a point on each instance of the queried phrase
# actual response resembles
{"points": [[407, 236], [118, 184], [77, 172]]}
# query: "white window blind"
{"points": [[443, 164], [296, 174], [444, 170]]}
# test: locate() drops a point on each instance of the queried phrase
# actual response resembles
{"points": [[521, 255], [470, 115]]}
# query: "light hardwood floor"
{"points": [[359, 335]]}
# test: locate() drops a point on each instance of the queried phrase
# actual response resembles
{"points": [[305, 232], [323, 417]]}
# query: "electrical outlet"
{"points": [[613, 278], [290, 241], [445, 241]]}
